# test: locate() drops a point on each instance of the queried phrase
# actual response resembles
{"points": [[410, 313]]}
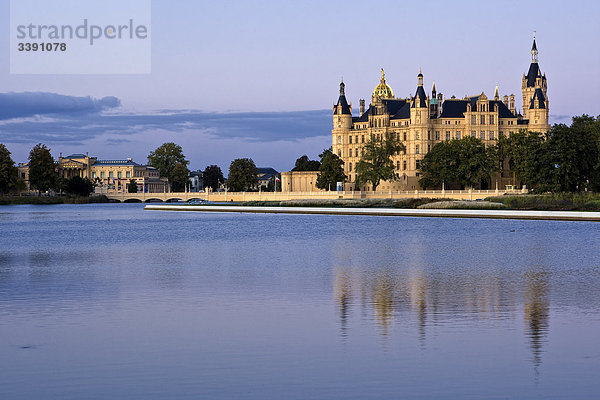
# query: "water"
{"points": [[110, 301]]}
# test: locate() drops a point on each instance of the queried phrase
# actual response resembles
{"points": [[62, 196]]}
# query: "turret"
{"points": [[532, 81], [511, 106], [362, 107], [496, 95], [419, 110], [433, 104], [342, 111]]}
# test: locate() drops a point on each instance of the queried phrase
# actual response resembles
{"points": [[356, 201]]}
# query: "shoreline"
{"points": [[431, 213]]}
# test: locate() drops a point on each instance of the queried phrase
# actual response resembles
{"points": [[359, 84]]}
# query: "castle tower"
{"points": [[342, 111], [534, 85]]}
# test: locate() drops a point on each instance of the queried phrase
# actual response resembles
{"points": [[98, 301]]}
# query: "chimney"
{"points": [[505, 100], [512, 103], [362, 107]]}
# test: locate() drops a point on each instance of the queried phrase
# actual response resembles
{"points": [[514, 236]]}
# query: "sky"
{"points": [[257, 79]]}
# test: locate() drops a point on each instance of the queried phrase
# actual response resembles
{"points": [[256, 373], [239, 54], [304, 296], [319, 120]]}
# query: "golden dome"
{"points": [[383, 90]]}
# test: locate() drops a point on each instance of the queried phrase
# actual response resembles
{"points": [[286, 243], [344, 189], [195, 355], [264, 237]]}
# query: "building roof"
{"points": [[533, 73], [454, 108], [115, 162], [383, 90], [343, 103], [77, 155], [538, 96], [264, 173], [420, 96]]}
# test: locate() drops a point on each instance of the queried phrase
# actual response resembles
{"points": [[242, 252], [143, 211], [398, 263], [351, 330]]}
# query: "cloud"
{"points": [[28, 104], [81, 124]]}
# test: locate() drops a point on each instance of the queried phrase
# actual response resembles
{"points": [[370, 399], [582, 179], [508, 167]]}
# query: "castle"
{"points": [[421, 121]]}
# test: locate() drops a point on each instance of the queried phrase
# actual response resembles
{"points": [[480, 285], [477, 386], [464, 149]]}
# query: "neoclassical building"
{"points": [[422, 120]]}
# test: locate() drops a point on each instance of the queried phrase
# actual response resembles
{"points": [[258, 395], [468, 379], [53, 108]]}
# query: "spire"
{"points": [[382, 76], [420, 78], [534, 51], [496, 96], [342, 87]]}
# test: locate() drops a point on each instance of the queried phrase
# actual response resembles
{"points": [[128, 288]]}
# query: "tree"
{"points": [[517, 148], [8, 171], [305, 164], [168, 158], [331, 170], [376, 162], [179, 178], [79, 186], [242, 175], [462, 162], [213, 177], [42, 174], [132, 186]]}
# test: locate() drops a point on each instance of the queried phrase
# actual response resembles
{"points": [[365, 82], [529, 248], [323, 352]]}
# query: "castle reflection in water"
{"points": [[434, 297]]}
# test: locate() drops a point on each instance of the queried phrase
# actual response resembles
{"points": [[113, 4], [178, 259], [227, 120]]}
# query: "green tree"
{"points": [[79, 186], [462, 162], [242, 175], [132, 186], [42, 173], [331, 170], [168, 158], [213, 177], [305, 164], [179, 178], [8, 171], [376, 162], [438, 167]]}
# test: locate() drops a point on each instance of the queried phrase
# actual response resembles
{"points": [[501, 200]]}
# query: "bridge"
{"points": [[223, 197]]}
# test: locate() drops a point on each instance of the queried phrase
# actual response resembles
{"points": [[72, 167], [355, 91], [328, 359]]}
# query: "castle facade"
{"points": [[423, 120]]}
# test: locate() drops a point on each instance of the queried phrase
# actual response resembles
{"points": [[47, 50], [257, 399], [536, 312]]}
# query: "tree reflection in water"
{"points": [[443, 296]]}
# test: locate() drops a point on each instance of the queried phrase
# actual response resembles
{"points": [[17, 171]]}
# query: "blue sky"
{"points": [[216, 63]]}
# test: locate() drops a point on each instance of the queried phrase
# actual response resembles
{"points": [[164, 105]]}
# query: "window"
{"points": [[119, 174], [102, 175], [491, 135], [93, 175], [417, 135], [128, 174], [418, 164], [447, 135], [473, 119], [350, 139], [428, 135], [111, 175], [482, 121], [458, 135], [350, 167], [356, 139], [416, 149], [491, 119], [339, 140], [404, 165], [437, 135], [482, 135], [362, 138], [405, 136], [398, 165], [473, 133], [340, 153]]}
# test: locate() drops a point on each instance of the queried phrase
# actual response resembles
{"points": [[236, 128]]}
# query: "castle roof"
{"points": [[533, 73], [454, 108], [538, 96], [420, 96], [383, 90], [343, 103]]}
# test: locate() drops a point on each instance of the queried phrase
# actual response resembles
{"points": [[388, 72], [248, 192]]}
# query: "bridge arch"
{"points": [[132, 201], [153, 200], [174, 200]]}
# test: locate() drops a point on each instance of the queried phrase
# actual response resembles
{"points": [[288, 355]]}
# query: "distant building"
{"points": [[266, 175], [196, 181], [110, 175]]}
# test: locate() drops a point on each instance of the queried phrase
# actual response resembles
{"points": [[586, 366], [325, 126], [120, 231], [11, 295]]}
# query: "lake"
{"points": [[110, 301]]}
